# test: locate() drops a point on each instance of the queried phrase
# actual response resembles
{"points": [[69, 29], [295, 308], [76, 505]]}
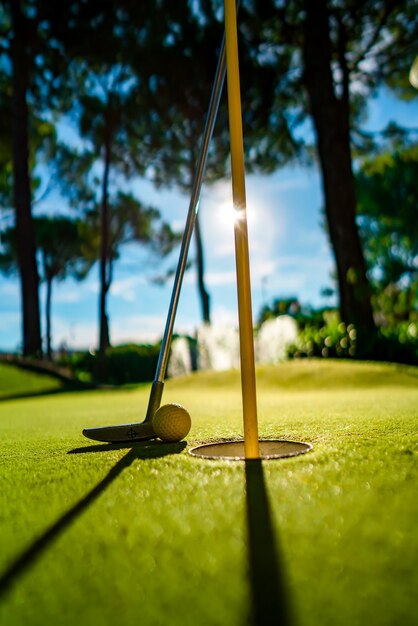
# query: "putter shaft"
{"points": [[193, 209]]}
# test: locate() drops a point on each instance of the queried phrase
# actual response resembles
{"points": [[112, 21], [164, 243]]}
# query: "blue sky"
{"points": [[290, 256]]}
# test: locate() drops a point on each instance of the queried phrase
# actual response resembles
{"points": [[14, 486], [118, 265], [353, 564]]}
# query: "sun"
{"points": [[229, 215]]}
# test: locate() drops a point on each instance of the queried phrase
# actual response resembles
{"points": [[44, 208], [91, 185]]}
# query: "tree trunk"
{"points": [[200, 260], [331, 121], [25, 235], [104, 339], [48, 317], [204, 295]]}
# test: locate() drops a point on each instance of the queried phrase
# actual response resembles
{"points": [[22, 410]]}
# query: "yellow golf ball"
{"points": [[171, 422]]}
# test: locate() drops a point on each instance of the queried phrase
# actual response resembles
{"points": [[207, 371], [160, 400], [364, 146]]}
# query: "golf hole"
{"points": [[234, 450]]}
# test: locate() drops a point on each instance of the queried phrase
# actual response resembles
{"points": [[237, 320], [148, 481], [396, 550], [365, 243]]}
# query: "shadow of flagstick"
{"points": [[270, 603], [35, 550]]}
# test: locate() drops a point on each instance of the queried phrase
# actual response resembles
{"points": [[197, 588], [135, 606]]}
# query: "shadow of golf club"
{"points": [[35, 550], [269, 594], [145, 449]]}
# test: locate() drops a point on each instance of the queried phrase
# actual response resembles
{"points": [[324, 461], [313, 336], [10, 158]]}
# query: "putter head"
{"points": [[122, 433], [139, 431]]}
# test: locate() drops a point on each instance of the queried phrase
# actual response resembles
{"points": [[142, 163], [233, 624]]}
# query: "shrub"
{"points": [[129, 363], [400, 343], [336, 340], [81, 364]]}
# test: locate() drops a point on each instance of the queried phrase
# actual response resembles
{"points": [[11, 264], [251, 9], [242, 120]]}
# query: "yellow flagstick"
{"points": [[249, 399]]}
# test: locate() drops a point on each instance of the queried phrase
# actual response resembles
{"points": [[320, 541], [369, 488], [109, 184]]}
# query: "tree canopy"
{"points": [[387, 216], [134, 80], [63, 246]]}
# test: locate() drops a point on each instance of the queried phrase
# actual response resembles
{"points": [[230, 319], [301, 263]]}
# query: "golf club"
{"points": [[143, 430]]}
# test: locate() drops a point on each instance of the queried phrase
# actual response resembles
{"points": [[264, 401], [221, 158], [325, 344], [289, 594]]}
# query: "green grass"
{"points": [[15, 381], [153, 536]]}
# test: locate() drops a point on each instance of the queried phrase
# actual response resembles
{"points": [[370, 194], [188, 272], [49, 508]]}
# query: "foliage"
{"points": [[395, 304], [135, 77], [63, 247], [323, 334], [387, 214], [42, 145], [371, 43], [80, 364], [178, 85], [177, 93], [302, 313], [61, 243], [334, 339], [329, 58], [30, 62], [106, 113], [130, 221], [124, 364], [405, 332]]}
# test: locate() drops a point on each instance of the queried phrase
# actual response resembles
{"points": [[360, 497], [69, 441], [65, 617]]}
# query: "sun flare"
{"points": [[230, 215]]}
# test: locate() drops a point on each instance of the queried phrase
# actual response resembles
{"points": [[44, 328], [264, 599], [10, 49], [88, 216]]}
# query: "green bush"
{"points": [[81, 364], [336, 340], [303, 314], [129, 363], [400, 343]]}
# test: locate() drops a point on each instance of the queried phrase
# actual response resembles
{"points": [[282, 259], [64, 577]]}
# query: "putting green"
{"points": [[98, 535], [18, 382]]}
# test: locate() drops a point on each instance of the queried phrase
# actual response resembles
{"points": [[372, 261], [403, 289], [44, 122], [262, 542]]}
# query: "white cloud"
{"points": [[75, 334], [138, 328], [71, 291], [126, 288], [224, 317], [258, 269], [293, 281], [220, 278], [263, 267], [178, 225]]}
